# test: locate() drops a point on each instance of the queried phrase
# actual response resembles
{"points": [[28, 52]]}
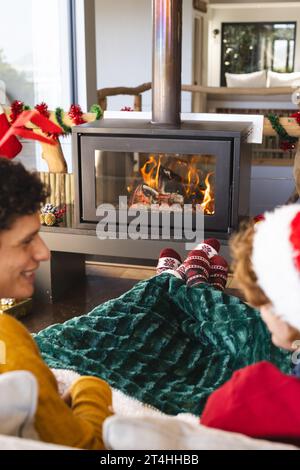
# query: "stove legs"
{"points": [[59, 274]]}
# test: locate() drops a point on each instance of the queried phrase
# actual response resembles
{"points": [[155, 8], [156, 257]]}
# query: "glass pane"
{"points": [[280, 54], [249, 47], [164, 180], [35, 59], [291, 54], [34, 51]]}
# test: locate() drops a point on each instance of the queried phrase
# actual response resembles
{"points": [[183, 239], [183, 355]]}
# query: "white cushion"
{"points": [[16, 443], [18, 403], [247, 80], [171, 433], [134, 419], [283, 79]]}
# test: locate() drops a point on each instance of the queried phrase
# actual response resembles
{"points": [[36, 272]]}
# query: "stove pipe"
{"points": [[166, 67]]}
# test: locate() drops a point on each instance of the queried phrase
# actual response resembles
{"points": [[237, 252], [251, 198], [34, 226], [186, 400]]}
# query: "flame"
{"points": [[208, 199], [150, 172], [191, 176]]}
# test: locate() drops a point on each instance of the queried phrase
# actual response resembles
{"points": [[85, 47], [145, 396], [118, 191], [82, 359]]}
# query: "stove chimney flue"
{"points": [[167, 47]]}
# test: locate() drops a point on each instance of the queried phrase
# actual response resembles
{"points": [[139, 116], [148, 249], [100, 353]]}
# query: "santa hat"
{"points": [[276, 261]]}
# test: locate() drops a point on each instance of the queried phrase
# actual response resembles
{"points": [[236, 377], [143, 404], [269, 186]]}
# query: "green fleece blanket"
{"points": [[163, 343]]}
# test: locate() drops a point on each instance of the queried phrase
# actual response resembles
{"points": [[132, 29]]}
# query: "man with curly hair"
{"points": [[77, 420], [21, 247]]}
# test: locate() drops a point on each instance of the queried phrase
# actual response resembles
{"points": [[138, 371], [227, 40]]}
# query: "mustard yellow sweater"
{"points": [[78, 426]]}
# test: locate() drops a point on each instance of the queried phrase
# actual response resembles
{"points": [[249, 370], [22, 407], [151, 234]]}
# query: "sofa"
{"points": [[135, 426], [262, 90]]}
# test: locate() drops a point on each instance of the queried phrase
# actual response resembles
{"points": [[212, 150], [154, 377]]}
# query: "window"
{"points": [[36, 61], [249, 47]]}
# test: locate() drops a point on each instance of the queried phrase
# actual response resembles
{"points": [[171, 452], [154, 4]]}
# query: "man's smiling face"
{"points": [[21, 251]]}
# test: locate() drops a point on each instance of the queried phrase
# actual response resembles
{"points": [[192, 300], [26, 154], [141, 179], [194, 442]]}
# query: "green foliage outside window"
{"points": [[249, 47], [19, 87]]}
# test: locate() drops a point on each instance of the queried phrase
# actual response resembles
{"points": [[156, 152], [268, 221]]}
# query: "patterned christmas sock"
{"points": [[169, 260], [181, 272], [211, 246], [218, 272], [197, 268]]}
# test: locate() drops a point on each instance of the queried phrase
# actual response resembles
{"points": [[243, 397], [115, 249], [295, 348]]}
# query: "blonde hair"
{"points": [[241, 246]]}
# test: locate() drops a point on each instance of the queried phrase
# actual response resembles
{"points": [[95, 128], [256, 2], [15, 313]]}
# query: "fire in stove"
{"points": [[170, 181]]}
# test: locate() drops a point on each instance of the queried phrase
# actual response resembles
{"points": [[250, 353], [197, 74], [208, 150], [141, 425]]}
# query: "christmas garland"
{"points": [[75, 113], [96, 109], [16, 109], [42, 108], [286, 142], [296, 116], [58, 116]]}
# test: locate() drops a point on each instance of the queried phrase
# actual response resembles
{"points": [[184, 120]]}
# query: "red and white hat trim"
{"points": [[276, 261]]}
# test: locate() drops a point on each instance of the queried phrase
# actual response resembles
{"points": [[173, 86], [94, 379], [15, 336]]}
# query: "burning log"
{"points": [[169, 182], [171, 199], [143, 194], [172, 181]]}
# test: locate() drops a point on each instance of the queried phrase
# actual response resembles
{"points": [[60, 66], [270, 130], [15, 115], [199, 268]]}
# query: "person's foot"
{"points": [[169, 260], [197, 268], [218, 272], [211, 246], [180, 272]]}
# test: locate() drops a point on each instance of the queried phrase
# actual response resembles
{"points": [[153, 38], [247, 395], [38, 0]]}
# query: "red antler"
{"points": [[17, 128]]}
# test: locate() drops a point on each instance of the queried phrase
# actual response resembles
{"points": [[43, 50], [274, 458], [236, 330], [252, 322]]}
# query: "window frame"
{"points": [[233, 23]]}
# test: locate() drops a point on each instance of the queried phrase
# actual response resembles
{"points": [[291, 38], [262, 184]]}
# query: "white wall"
{"points": [[271, 186], [283, 11], [124, 48]]}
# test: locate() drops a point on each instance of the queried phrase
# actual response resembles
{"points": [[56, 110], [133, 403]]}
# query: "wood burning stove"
{"points": [[163, 162], [203, 165]]}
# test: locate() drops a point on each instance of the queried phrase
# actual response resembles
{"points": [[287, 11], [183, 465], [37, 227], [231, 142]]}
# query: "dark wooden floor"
{"points": [[102, 283]]}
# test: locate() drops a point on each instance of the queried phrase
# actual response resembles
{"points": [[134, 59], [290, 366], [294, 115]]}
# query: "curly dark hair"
{"points": [[21, 193], [241, 245]]}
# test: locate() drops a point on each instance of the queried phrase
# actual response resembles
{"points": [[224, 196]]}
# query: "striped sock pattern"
{"points": [[218, 272], [197, 268], [181, 272]]}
